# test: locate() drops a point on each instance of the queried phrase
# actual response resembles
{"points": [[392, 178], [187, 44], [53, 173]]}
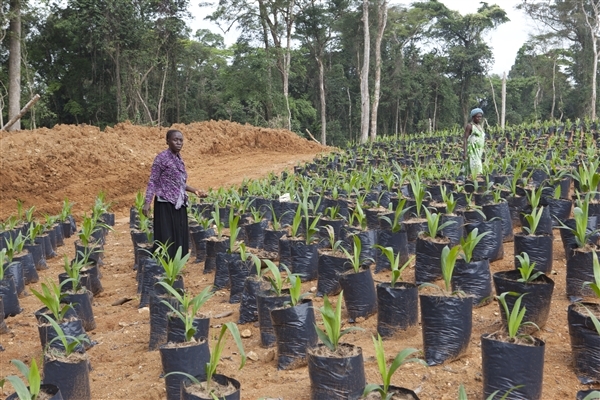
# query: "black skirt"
{"points": [[171, 226]]}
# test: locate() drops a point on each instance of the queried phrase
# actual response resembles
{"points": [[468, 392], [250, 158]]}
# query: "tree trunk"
{"points": [[503, 117], [594, 27], [14, 64], [118, 82], [364, 76], [287, 61], [322, 99], [382, 12]]}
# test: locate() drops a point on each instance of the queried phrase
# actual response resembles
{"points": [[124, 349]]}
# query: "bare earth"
{"points": [[44, 166]]}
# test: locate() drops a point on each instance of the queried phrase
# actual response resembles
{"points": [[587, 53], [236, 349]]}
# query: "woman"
{"points": [[474, 141], [167, 185]]}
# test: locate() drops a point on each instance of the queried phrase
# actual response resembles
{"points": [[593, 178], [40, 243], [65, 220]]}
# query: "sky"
{"points": [[504, 40]]}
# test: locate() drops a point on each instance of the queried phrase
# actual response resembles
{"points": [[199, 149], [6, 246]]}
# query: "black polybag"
{"points": [[255, 234], [454, 231], [285, 252], [560, 210], [446, 325], [8, 291], [37, 252], [413, 228], [329, 271], [398, 241], [398, 307], [30, 274], [475, 279], [199, 239], [150, 269], [218, 378], [537, 301], [238, 272], [176, 328], [267, 301], [359, 293], [580, 269], [336, 377], [222, 271], [71, 326], [585, 343], [490, 246], [82, 304], [428, 264], [14, 270], [248, 305], [305, 260], [271, 240], [158, 319], [538, 248], [502, 212], [188, 359], [294, 329], [508, 365], [3, 327], [213, 247], [73, 379]]}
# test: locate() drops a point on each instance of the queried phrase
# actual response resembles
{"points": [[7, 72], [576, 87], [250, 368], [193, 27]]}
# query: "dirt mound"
{"points": [[43, 166]]}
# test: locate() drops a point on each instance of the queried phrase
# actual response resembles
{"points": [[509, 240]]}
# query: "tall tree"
{"points": [[382, 13], [461, 38], [592, 20], [364, 75], [14, 64]]}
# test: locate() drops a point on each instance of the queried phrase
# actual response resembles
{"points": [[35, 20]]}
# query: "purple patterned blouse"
{"points": [[168, 179]]}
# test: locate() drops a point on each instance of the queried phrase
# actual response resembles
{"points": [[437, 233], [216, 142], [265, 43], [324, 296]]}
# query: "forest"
{"points": [[342, 70]]}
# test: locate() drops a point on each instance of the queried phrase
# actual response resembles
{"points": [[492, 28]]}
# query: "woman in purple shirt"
{"points": [[167, 185]]}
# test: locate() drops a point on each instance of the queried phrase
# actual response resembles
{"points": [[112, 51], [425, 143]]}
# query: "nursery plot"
{"points": [[124, 368]]}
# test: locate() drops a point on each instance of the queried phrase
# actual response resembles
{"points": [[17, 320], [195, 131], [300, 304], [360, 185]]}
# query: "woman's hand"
{"points": [[146, 209]]}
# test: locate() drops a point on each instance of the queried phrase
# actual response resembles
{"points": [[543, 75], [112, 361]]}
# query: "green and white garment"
{"points": [[475, 145]]}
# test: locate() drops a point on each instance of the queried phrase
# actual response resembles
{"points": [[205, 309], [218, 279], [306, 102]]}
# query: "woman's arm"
{"points": [[197, 192], [468, 130], [152, 182]]}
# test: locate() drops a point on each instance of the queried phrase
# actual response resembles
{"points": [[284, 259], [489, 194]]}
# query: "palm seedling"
{"points": [[533, 220], [468, 244], [433, 224], [332, 320], [70, 343], [581, 214], [32, 374], [333, 244], [295, 289], [276, 280], [462, 393], [173, 267], [448, 258], [394, 260], [219, 225], [73, 270], [448, 199], [51, 296], [514, 317], [355, 258], [234, 230], [188, 307], [3, 263], [396, 223], [14, 247], [387, 373], [527, 269]]}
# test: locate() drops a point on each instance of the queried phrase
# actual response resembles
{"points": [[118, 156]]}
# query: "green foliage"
{"points": [[469, 243], [387, 373], [462, 393], [276, 280], [70, 343], [73, 270], [396, 223], [527, 269], [295, 287], [25, 391], [34, 231], [219, 225], [449, 256], [355, 258], [234, 230], [14, 246], [3, 263], [332, 319], [215, 354], [173, 267], [514, 317], [433, 224], [51, 297], [595, 286], [394, 260], [533, 220], [188, 307]]}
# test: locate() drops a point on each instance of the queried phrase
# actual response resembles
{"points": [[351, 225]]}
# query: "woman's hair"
{"points": [[476, 111], [171, 132]]}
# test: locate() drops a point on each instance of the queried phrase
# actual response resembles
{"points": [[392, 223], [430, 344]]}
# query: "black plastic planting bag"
{"points": [[189, 359], [446, 324], [150, 269], [560, 210], [585, 343], [267, 301], [516, 205], [286, 212], [490, 246], [59, 235], [37, 252], [329, 271], [221, 380], [368, 240], [248, 305], [336, 224], [294, 329], [255, 234], [336, 377], [398, 241], [502, 212], [8, 292], [539, 249], [71, 327], [285, 252], [398, 307], [271, 240], [580, 269], [413, 229], [454, 231], [199, 239], [14, 270], [82, 304], [158, 320], [428, 264], [30, 274], [176, 328], [305, 260], [568, 237], [359, 293], [222, 271], [214, 247], [3, 327], [238, 272], [475, 279], [545, 224], [538, 298], [507, 365], [73, 379]]}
